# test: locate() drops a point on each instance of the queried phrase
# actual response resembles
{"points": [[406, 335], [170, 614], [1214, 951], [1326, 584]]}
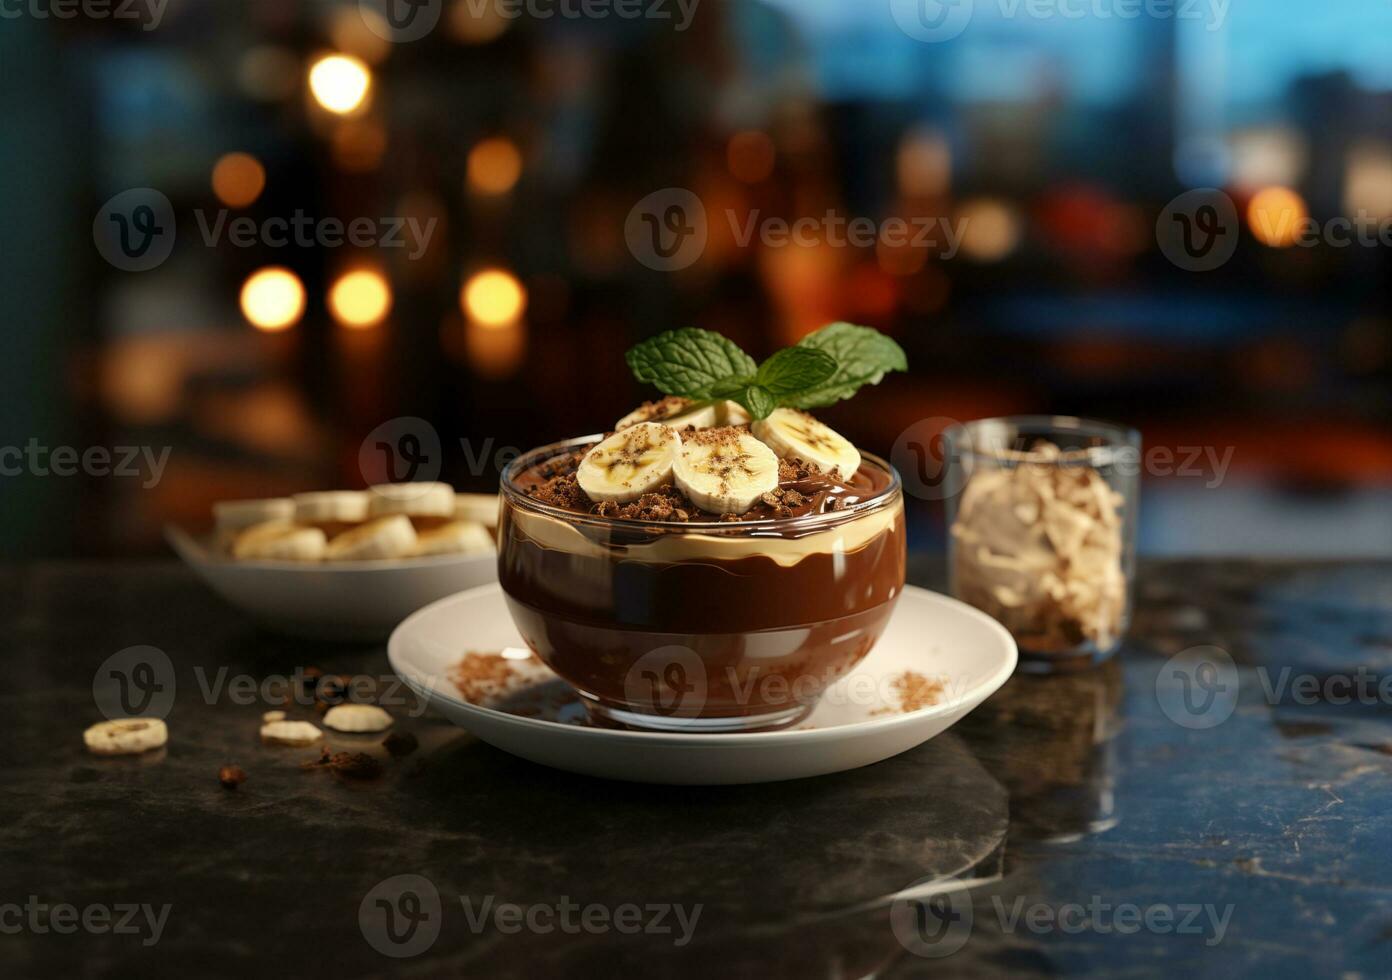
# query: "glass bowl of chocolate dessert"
{"points": [[693, 571]]}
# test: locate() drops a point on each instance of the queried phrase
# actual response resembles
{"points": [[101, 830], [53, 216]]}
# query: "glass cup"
{"points": [[1041, 515], [699, 626]]}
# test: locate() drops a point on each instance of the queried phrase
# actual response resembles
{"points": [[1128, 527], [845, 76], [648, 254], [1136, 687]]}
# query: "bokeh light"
{"points": [[359, 30], [359, 145], [273, 299], [923, 164], [493, 298], [750, 156], [340, 83], [1276, 215], [471, 22], [238, 179], [495, 165], [990, 229], [360, 299]]}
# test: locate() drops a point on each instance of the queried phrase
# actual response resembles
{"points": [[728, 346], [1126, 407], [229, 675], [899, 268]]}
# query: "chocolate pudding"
{"points": [[666, 615]]}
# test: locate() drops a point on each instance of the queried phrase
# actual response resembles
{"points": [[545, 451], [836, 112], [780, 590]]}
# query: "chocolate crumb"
{"points": [[231, 776], [349, 765], [400, 744]]}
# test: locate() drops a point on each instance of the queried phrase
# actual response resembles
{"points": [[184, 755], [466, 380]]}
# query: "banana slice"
{"points": [[385, 537], [293, 733], [481, 508], [456, 537], [280, 541], [357, 718], [629, 463], [726, 470], [128, 736], [238, 515], [681, 412], [415, 500], [331, 507], [789, 432]]}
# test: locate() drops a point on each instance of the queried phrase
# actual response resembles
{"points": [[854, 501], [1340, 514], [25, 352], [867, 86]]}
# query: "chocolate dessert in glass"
{"points": [[715, 562]]}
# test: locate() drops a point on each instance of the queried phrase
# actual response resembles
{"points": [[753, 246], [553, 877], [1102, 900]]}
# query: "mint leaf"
{"points": [[758, 401], [862, 357], [731, 387], [795, 369], [689, 362]]}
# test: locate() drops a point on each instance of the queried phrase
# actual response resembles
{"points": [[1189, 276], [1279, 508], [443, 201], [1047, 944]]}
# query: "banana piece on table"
{"points": [[384, 537], [357, 718], [292, 733], [791, 433], [630, 463], [280, 541], [726, 470], [128, 736], [456, 537], [681, 412]]}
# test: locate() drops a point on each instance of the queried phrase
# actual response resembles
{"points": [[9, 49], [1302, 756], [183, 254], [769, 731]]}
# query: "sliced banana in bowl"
{"points": [[797, 435], [682, 412], [630, 463], [725, 470], [384, 537]]}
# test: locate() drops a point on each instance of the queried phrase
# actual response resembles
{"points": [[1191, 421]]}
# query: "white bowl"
{"points": [[850, 727], [354, 601]]}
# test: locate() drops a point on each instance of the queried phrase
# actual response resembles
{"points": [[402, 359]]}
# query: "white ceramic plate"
{"points": [[354, 601], [858, 721]]}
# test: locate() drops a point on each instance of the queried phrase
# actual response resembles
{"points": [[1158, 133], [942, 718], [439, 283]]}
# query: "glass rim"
{"points": [[517, 497], [967, 439]]}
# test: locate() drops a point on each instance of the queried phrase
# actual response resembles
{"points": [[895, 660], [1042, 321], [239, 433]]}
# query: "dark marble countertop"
{"points": [[1157, 816]]}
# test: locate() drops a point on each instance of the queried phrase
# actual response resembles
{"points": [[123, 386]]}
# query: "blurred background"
{"points": [[502, 151]]}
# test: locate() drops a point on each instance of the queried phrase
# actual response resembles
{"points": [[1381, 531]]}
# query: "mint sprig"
{"points": [[825, 367]]}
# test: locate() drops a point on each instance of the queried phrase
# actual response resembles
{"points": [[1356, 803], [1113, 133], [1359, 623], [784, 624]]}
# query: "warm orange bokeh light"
{"points": [[493, 298], [990, 229], [750, 156], [494, 166], [273, 299], [360, 300], [1276, 216], [340, 83], [238, 179]]}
